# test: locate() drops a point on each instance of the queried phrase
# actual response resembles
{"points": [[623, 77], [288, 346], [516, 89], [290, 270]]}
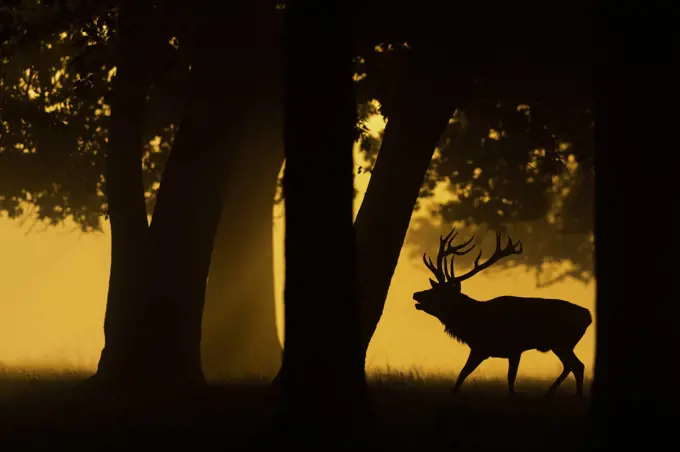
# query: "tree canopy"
{"points": [[517, 154], [56, 76]]}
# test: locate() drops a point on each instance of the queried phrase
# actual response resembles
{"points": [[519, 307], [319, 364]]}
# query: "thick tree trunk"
{"points": [[413, 130], [322, 376], [635, 376]]}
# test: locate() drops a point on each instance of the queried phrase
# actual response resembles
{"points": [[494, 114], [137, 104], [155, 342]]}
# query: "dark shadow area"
{"points": [[634, 405], [43, 412]]}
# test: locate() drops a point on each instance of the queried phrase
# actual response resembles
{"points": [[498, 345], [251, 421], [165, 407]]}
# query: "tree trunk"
{"points": [[239, 326], [185, 222], [322, 377], [125, 196], [413, 130], [636, 342]]}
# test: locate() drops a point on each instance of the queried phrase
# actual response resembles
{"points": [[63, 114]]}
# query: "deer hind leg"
{"points": [[473, 361], [578, 369], [571, 364], [512, 372]]}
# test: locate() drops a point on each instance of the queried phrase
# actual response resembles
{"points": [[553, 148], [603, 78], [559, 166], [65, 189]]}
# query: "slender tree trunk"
{"points": [[125, 197], [412, 133], [185, 222], [322, 376], [239, 326], [195, 179]]}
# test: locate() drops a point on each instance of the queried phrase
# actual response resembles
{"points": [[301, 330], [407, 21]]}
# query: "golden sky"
{"points": [[53, 295]]}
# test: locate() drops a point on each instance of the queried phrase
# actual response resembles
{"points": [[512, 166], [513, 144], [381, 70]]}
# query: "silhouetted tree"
{"points": [[322, 379], [71, 59], [193, 180], [414, 127], [154, 311], [159, 272], [126, 352], [64, 176]]}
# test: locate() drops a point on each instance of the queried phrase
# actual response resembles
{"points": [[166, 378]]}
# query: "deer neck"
{"points": [[460, 321], [467, 300]]}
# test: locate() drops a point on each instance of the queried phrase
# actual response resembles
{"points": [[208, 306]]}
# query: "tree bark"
{"points": [[322, 377]]}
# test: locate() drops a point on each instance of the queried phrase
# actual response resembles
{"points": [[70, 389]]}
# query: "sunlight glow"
{"points": [[56, 284]]}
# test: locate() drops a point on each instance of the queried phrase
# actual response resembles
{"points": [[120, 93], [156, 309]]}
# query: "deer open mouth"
{"points": [[416, 297]]}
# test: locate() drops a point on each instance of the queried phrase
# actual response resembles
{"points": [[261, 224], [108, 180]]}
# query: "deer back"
{"points": [[517, 324]]}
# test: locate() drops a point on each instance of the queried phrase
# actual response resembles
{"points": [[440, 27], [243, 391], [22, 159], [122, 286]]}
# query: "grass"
{"points": [[37, 409]]}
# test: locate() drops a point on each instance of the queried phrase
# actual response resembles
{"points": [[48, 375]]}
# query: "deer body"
{"points": [[517, 323], [503, 327]]}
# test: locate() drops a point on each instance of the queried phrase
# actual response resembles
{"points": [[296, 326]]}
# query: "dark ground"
{"points": [[42, 412]]}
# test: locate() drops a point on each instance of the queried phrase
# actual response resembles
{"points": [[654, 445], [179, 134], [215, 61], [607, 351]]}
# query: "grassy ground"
{"points": [[37, 410]]}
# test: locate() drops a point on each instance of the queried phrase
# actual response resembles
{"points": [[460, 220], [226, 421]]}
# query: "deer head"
{"points": [[437, 300]]}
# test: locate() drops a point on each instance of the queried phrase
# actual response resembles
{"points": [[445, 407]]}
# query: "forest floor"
{"points": [[39, 410]]}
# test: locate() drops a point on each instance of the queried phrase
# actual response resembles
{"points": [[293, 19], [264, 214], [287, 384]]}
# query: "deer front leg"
{"points": [[566, 357], [512, 372], [474, 360]]}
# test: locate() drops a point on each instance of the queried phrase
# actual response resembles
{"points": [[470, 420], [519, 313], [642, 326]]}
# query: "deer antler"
{"points": [[499, 253], [440, 270]]}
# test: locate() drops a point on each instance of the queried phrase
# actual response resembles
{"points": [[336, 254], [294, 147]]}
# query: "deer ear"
{"points": [[433, 284]]}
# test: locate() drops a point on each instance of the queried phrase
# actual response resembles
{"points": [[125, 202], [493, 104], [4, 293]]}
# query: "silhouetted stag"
{"points": [[506, 326]]}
